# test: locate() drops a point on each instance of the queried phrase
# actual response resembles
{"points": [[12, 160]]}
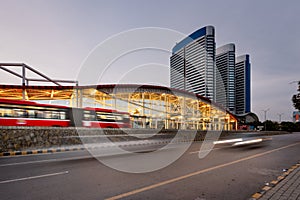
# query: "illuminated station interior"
{"points": [[149, 106]]}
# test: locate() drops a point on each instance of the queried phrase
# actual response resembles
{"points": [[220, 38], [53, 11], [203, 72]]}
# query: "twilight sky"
{"points": [[56, 37]]}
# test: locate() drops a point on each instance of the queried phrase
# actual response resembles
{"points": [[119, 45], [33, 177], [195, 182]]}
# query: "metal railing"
{"points": [[26, 80]]}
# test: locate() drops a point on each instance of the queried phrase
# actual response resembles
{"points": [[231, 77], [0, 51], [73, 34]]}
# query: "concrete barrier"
{"points": [[30, 138]]}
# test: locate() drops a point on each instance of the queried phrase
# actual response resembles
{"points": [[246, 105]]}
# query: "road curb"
{"points": [[273, 183], [40, 151], [56, 150]]}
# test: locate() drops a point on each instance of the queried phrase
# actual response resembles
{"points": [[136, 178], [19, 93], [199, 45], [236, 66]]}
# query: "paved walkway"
{"points": [[286, 187]]}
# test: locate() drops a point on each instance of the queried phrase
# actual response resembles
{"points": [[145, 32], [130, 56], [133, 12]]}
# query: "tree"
{"points": [[271, 126], [296, 98], [288, 126]]}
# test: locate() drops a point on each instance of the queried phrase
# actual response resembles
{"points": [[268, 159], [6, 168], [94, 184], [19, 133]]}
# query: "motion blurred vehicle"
{"points": [[250, 139], [28, 113]]}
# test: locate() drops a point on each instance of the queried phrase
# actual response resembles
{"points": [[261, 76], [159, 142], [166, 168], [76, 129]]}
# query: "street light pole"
{"points": [[265, 111], [280, 114]]}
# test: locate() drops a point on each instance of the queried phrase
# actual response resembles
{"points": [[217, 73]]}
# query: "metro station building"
{"points": [[149, 106]]}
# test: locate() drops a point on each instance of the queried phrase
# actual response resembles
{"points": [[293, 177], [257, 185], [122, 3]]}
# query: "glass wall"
{"points": [[149, 108]]}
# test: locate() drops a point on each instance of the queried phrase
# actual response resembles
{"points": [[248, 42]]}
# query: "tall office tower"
{"points": [[242, 84], [225, 74], [193, 63]]}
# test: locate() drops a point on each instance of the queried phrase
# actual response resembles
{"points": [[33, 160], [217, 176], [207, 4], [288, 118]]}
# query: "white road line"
{"points": [[44, 161], [34, 177], [199, 151]]}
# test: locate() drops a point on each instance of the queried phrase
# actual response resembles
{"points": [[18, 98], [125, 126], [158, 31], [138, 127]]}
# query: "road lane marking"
{"points": [[34, 177], [45, 161], [143, 189], [204, 150]]}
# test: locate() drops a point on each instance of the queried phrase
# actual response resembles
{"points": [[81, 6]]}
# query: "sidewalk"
{"points": [[286, 187]]}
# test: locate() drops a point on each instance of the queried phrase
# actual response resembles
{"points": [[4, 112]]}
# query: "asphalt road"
{"points": [[225, 173]]}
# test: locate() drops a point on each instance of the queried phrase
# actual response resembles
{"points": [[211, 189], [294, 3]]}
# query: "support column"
{"points": [[23, 82]]}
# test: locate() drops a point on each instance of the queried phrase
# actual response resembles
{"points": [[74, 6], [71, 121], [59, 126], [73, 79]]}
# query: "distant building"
{"points": [[225, 76], [242, 84], [193, 63], [196, 66], [296, 116]]}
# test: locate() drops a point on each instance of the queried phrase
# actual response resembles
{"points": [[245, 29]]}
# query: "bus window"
{"points": [[25, 113], [109, 117], [5, 112], [126, 118], [55, 115], [19, 113], [39, 114], [31, 113], [62, 115], [101, 116], [47, 115], [88, 115]]}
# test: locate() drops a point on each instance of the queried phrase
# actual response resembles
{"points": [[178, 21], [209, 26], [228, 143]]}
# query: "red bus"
{"points": [[105, 118], [26, 113]]}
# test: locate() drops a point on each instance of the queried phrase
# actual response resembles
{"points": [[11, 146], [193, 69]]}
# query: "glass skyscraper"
{"points": [[198, 67], [193, 63], [242, 84], [225, 74]]}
